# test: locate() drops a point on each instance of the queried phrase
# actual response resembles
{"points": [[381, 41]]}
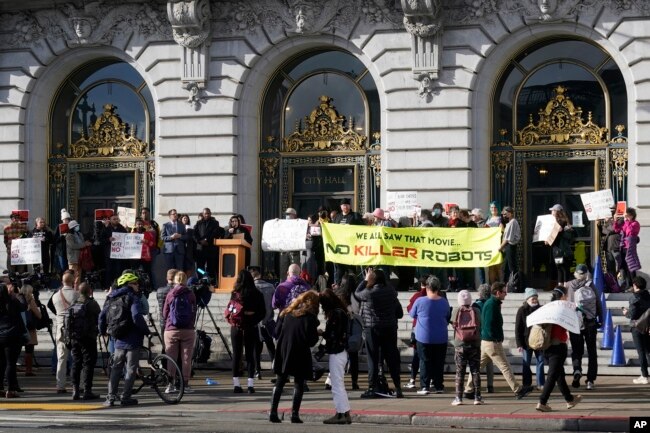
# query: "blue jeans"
{"points": [[432, 364], [526, 375]]}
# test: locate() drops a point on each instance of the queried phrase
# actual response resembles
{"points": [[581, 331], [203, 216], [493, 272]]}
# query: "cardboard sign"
{"points": [[102, 214], [127, 216], [621, 208], [561, 313], [25, 251], [598, 204], [448, 206], [127, 245], [284, 235], [401, 203], [63, 228], [546, 229], [23, 214]]}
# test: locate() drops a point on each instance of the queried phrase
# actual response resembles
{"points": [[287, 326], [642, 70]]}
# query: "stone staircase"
{"points": [[220, 358]]}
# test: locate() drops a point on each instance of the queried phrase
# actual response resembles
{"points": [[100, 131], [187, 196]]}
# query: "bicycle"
{"points": [[157, 374]]}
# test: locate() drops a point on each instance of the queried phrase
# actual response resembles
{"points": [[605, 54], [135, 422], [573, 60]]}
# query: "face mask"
{"points": [[436, 212]]}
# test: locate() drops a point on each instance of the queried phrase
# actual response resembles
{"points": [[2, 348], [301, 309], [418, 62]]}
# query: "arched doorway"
{"points": [[320, 137], [555, 107], [101, 149]]}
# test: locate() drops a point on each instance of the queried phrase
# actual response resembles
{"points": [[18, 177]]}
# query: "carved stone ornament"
{"points": [[96, 23], [190, 21], [108, 138], [325, 130], [195, 99], [560, 122]]}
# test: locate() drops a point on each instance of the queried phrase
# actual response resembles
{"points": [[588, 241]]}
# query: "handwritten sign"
{"points": [[401, 203], [546, 229], [127, 216], [127, 245], [284, 235], [25, 251], [561, 313], [621, 207], [597, 204]]}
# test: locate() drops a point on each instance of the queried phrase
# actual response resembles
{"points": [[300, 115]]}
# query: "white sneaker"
{"points": [[187, 390], [641, 380], [410, 385], [457, 402], [478, 401], [170, 388], [423, 391], [590, 385]]}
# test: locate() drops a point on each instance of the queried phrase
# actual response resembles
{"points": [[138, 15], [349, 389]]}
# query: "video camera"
{"points": [[38, 279], [202, 288]]}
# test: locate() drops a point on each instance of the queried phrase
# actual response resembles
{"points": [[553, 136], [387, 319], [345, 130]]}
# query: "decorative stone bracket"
{"points": [[422, 19], [190, 20]]}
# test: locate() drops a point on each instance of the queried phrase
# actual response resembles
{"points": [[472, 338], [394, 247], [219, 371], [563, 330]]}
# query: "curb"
{"points": [[532, 422]]}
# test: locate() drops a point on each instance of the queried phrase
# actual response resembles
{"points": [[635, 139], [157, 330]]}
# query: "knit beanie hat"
{"points": [[464, 298], [530, 292], [65, 214]]}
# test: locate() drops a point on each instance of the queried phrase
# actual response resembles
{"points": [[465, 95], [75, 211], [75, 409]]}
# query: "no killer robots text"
{"points": [[409, 252]]}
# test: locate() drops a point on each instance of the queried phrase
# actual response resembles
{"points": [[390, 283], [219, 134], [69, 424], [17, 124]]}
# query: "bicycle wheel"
{"points": [[167, 379]]}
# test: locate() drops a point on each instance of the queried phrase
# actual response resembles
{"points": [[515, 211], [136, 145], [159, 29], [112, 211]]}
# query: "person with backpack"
{"points": [[179, 315], [61, 301], [122, 319], [81, 330], [582, 291], [289, 289], [432, 313], [531, 303], [297, 331], [336, 340], [639, 303], [492, 341], [244, 333], [484, 293], [556, 355], [467, 343]]}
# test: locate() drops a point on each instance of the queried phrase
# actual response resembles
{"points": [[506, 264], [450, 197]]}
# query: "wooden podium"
{"points": [[232, 259]]}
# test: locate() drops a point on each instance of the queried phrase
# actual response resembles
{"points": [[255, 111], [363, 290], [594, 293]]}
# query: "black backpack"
{"points": [[118, 316], [202, 346], [75, 323], [44, 322]]}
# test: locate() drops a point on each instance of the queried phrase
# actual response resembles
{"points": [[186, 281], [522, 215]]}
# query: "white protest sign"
{"points": [[127, 245], [401, 203], [546, 229], [127, 216], [561, 313], [284, 235], [25, 251], [597, 204]]}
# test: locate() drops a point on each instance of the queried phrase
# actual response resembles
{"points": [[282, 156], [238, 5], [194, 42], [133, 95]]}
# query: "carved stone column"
{"points": [[190, 20], [422, 19]]}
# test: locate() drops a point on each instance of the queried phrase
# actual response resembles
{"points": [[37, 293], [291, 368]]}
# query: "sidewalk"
{"points": [[607, 408]]}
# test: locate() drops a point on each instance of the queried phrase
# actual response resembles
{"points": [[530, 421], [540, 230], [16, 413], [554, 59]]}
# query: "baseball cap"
{"points": [[582, 269], [556, 207]]}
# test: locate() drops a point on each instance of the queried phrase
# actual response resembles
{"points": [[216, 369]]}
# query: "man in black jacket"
{"points": [[206, 230], [347, 216], [380, 310]]}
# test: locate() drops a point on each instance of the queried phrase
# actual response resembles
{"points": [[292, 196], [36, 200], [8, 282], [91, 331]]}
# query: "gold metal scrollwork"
{"points": [[375, 164], [57, 176], [269, 169], [618, 158], [108, 138], [325, 130], [560, 122], [501, 162]]}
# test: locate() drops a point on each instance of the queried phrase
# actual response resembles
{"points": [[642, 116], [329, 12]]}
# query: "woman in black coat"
{"points": [[245, 337], [13, 335], [235, 229], [297, 331]]}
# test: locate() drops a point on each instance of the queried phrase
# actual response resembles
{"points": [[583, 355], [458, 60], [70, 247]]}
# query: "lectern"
{"points": [[232, 259]]}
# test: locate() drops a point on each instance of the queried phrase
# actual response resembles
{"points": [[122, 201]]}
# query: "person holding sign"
{"points": [[561, 247], [629, 229], [347, 216], [610, 243], [42, 232], [74, 241], [114, 267], [15, 230]]}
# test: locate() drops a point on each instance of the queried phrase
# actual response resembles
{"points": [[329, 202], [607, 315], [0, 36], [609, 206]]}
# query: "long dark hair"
{"points": [[244, 284], [345, 289], [330, 301]]}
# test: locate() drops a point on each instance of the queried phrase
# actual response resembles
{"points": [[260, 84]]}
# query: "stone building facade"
{"points": [[235, 105]]}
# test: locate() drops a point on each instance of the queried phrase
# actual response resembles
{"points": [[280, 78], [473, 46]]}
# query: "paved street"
{"points": [[216, 408]]}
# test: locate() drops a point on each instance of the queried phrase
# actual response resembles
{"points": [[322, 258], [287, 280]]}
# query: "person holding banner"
{"points": [[114, 267], [556, 355], [347, 216], [629, 228], [494, 272], [14, 230]]}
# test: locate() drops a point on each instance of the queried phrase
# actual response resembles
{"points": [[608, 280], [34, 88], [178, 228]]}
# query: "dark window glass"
{"points": [[332, 60], [577, 50], [120, 70], [574, 174], [106, 184], [613, 78]]}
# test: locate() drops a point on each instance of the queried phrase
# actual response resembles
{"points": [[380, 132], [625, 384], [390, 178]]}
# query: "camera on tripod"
{"points": [[202, 290]]}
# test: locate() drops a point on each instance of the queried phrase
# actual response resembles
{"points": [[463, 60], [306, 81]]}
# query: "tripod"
{"points": [[200, 317]]}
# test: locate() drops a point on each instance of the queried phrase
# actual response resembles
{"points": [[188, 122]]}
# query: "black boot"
{"points": [[295, 405], [275, 400], [75, 392]]}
